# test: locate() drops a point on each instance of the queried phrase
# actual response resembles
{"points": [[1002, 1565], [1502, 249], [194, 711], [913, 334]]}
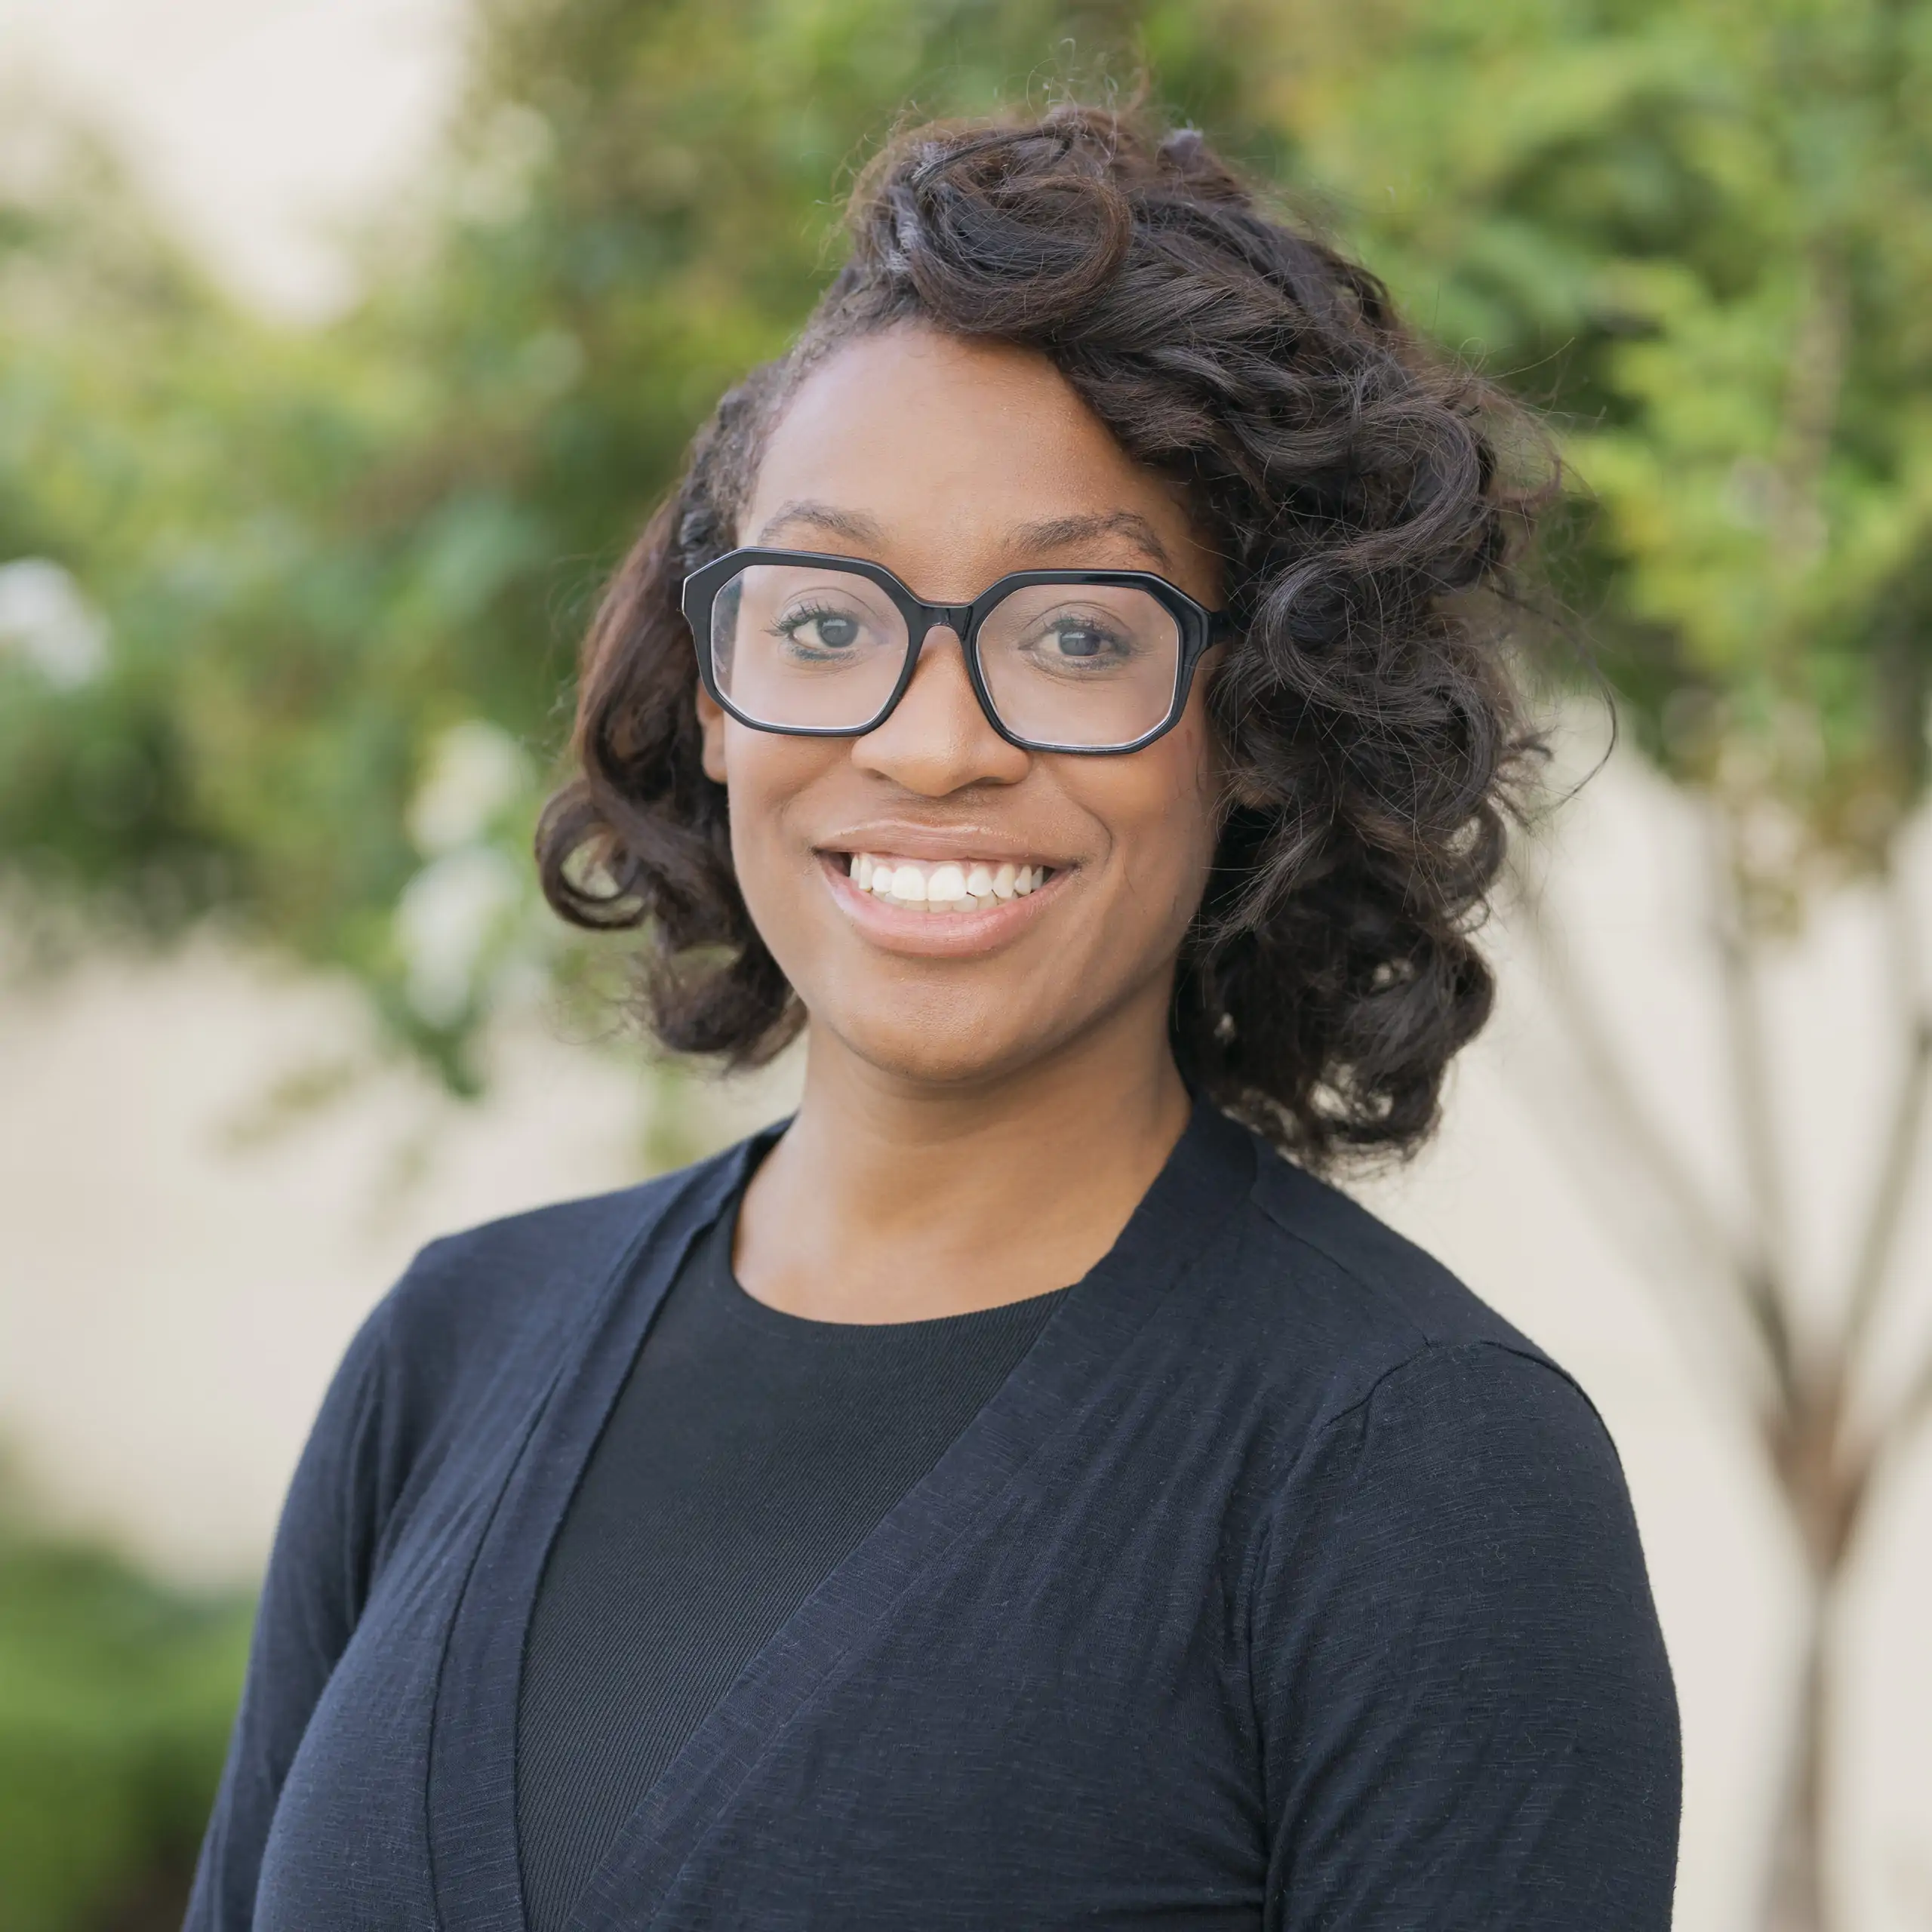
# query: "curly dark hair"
{"points": [[1367, 498]]}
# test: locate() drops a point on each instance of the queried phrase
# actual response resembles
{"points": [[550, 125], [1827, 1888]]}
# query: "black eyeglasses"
{"points": [[813, 646]]}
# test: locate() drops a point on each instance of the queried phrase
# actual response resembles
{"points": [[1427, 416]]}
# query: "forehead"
{"points": [[938, 450]]}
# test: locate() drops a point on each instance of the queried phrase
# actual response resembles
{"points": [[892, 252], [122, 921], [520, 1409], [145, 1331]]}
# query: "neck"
{"points": [[892, 1200]]}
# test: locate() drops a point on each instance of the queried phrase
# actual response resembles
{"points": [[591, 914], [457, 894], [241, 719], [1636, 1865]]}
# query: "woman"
{"points": [[1009, 1494]]}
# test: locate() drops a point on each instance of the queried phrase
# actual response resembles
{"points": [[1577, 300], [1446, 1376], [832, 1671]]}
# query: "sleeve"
{"points": [[318, 1580], [1467, 1715]]}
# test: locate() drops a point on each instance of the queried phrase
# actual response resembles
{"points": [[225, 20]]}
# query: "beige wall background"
{"points": [[182, 1261]]}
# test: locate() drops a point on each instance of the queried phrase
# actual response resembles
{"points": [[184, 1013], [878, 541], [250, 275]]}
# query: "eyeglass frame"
{"points": [[1199, 629]]}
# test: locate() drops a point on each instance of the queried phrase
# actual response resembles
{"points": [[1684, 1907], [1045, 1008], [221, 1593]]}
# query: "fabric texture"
{"points": [[748, 1454], [1281, 1585]]}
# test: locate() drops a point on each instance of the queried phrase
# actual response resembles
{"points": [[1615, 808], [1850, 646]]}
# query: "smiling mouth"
{"points": [[949, 885]]}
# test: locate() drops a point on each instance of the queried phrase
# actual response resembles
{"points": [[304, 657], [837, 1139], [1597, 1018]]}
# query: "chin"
{"points": [[953, 1049]]}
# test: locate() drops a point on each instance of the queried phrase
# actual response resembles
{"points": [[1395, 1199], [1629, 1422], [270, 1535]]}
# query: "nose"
{"points": [[937, 739]]}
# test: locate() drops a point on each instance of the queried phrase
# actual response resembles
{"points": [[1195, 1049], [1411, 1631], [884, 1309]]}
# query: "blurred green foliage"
{"points": [[115, 1699], [334, 577], [1701, 235]]}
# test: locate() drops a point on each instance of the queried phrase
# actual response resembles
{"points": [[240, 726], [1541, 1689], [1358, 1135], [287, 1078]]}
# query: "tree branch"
{"points": [[1900, 1159], [1764, 1271], [1894, 1435], [1715, 1255]]}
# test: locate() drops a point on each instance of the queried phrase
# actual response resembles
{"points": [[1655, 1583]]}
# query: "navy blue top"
{"points": [[749, 1453], [1281, 1584]]}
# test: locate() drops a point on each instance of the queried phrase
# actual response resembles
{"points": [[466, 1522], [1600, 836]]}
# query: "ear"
{"points": [[711, 723]]}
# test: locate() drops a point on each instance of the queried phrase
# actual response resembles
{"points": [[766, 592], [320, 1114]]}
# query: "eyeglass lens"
{"points": [[1091, 665]]}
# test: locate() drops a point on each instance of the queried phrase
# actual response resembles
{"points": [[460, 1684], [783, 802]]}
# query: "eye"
{"points": [[834, 631], [824, 632], [1079, 639], [1074, 639]]}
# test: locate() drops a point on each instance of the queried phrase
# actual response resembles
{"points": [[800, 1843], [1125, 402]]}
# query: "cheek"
{"points": [[1171, 800], [765, 777], [1160, 808]]}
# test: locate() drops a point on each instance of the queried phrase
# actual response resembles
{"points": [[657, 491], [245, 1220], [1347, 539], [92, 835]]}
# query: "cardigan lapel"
{"points": [[471, 1796], [1211, 1169]]}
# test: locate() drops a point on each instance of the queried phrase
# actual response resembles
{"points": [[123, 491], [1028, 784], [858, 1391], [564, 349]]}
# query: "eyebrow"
{"points": [[854, 525], [1058, 533], [1061, 532]]}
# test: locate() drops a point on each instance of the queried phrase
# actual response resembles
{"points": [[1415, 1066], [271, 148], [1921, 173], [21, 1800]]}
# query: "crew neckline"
{"points": [[715, 1262]]}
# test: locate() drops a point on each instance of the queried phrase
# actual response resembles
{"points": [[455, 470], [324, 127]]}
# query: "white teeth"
{"points": [[947, 887]]}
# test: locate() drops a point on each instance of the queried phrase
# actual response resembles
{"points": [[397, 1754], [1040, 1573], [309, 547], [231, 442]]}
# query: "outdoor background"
{"points": [[342, 345]]}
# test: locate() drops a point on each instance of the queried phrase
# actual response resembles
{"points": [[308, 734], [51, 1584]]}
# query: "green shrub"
{"points": [[115, 1700]]}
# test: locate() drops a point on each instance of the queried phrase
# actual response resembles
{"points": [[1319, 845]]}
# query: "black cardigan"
{"points": [[1281, 1585]]}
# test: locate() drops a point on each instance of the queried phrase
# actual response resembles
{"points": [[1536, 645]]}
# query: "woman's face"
{"points": [[954, 464]]}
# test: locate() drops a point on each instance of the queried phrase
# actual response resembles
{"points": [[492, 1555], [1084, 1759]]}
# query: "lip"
{"points": [[933, 935], [959, 845]]}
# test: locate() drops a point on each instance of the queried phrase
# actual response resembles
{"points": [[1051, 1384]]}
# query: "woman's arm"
{"points": [[318, 1581], [1467, 1713]]}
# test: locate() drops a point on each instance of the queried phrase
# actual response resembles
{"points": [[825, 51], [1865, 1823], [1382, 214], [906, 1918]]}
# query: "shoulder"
{"points": [[1462, 1447], [1388, 1283], [1367, 1376], [537, 1267], [1330, 1292], [1439, 1429], [481, 1320], [1450, 1630], [1459, 1546], [1432, 1534], [514, 1281]]}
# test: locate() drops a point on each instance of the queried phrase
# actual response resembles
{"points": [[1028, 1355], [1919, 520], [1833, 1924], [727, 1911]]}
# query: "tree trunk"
{"points": [[1797, 1901]]}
